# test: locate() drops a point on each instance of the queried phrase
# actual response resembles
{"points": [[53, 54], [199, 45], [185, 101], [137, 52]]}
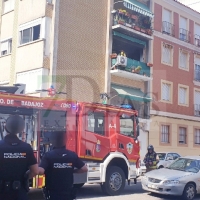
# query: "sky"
{"points": [[194, 4]]}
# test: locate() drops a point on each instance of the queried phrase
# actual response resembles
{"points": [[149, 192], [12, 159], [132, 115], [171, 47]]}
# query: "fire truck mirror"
{"points": [[138, 130]]}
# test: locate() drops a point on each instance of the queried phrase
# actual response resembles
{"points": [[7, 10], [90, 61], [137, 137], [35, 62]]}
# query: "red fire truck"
{"points": [[104, 136]]}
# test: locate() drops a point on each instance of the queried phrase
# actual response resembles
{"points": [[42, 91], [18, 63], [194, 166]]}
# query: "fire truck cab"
{"points": [[103, 136]]}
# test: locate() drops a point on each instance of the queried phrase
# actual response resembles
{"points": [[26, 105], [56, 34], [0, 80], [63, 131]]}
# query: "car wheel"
{"points": [[115, 181], [189, 191], [160, 167]]}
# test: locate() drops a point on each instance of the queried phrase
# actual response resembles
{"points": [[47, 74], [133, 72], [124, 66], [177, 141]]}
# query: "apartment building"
{"points": [[175, 107], [83, 48]]}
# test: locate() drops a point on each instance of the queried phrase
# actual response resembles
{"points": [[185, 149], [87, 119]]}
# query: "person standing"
{"points": [[151, 159], [16, 158], [59, 165]]}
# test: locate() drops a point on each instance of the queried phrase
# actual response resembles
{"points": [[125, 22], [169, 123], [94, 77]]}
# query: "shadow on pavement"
{"points": [[164, 197]]}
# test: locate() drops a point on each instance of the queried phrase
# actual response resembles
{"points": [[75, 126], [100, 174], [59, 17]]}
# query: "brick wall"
{"points": [[176, 23], [157, 17], [175, 75], [191, 29], [81, 49], [128, 82]]}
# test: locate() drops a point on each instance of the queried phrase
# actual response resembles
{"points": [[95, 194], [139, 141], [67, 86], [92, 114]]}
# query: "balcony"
{"points": [[197, 75], [144, 111], [131, 69], [196, 110], [168, 28], [132, 24], [184, 35], [197, 40]]}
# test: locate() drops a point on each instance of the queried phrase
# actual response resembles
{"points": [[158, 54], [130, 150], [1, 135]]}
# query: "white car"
{"points": [[166, 158], [181, 178]]}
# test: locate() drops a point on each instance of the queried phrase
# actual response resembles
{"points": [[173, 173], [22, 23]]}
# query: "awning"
{"points": [[132, 39], [138, 7], [134, 94]]}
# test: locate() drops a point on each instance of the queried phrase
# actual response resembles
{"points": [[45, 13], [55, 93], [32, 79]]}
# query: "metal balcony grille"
{"points": [[197, 40], [184, 35], [168, 28]]}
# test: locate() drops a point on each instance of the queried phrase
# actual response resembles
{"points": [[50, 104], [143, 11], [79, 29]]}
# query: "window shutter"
{"points": [[182, 95], [183, 59], [183, 23], [166, 16], [4, 46], [165, 92]]}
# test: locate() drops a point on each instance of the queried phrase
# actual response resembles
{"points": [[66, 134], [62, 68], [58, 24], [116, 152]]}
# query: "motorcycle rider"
{"points": [[151, 159]]}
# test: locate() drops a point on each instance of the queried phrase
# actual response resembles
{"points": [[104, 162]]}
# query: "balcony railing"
{"points": [[131, 66], [144, 111], [168, 28], [137, 22], [197, 75], [184, 35], [197, 109], [197, 40]]}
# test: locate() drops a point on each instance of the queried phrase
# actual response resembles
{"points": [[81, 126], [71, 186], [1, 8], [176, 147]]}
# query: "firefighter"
{"points": [[151, 159], [16, 158], [58, 166]]}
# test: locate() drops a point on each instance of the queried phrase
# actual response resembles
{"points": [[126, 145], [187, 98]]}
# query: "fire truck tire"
{"points": [[115, 181], [79, 185]]}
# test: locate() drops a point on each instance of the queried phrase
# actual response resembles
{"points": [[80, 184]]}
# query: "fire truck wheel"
{"points": [[79, 185], [115, 181]]}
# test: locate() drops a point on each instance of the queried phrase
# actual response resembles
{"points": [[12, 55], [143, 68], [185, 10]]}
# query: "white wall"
{"points": [[143, 138]]}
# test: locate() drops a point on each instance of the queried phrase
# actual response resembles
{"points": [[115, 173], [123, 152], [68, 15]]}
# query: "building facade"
{"points": [[176, 83], [82, 48]]}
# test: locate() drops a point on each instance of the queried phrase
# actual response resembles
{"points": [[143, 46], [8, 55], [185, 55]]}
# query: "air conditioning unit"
{"points": [[121, 60], [197, 42]]}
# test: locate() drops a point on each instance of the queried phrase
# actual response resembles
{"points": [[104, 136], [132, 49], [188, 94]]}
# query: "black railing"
{"points": [[184, 35], [197, 40], [144, 111], [197, 75], [168, 28]]}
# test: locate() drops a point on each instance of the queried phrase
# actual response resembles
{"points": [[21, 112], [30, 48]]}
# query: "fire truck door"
{"points": [[97, 140], [125, 136]]}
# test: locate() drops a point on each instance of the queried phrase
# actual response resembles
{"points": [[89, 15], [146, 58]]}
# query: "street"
{"points": [[93, 192]]}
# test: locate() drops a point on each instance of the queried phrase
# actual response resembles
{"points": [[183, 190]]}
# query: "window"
{"points": [[96, 122], [197, 137], [183, 29], [168, 28], [197, 69], [126, 126], [183, 95], [30, 34], [167, 54], [183, 59], [182, 135], [6, 47], [197, 35], [8, 5], [165, 134], [197, 103], [166, 91]]}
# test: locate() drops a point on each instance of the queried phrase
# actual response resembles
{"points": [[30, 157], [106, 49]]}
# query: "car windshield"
{"points": [[161, 156], [186, 164]]}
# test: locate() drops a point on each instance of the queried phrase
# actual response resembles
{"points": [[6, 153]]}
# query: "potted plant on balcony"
{"points": [[149, 31], [143, 30], [113, 55], [137, 28], [137, 69], [135, 17], [150, 64], [120, 11]]}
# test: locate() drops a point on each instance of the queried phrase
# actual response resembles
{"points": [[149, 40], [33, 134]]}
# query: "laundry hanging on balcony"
{"points": [[134, 94], [138, 7]]}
